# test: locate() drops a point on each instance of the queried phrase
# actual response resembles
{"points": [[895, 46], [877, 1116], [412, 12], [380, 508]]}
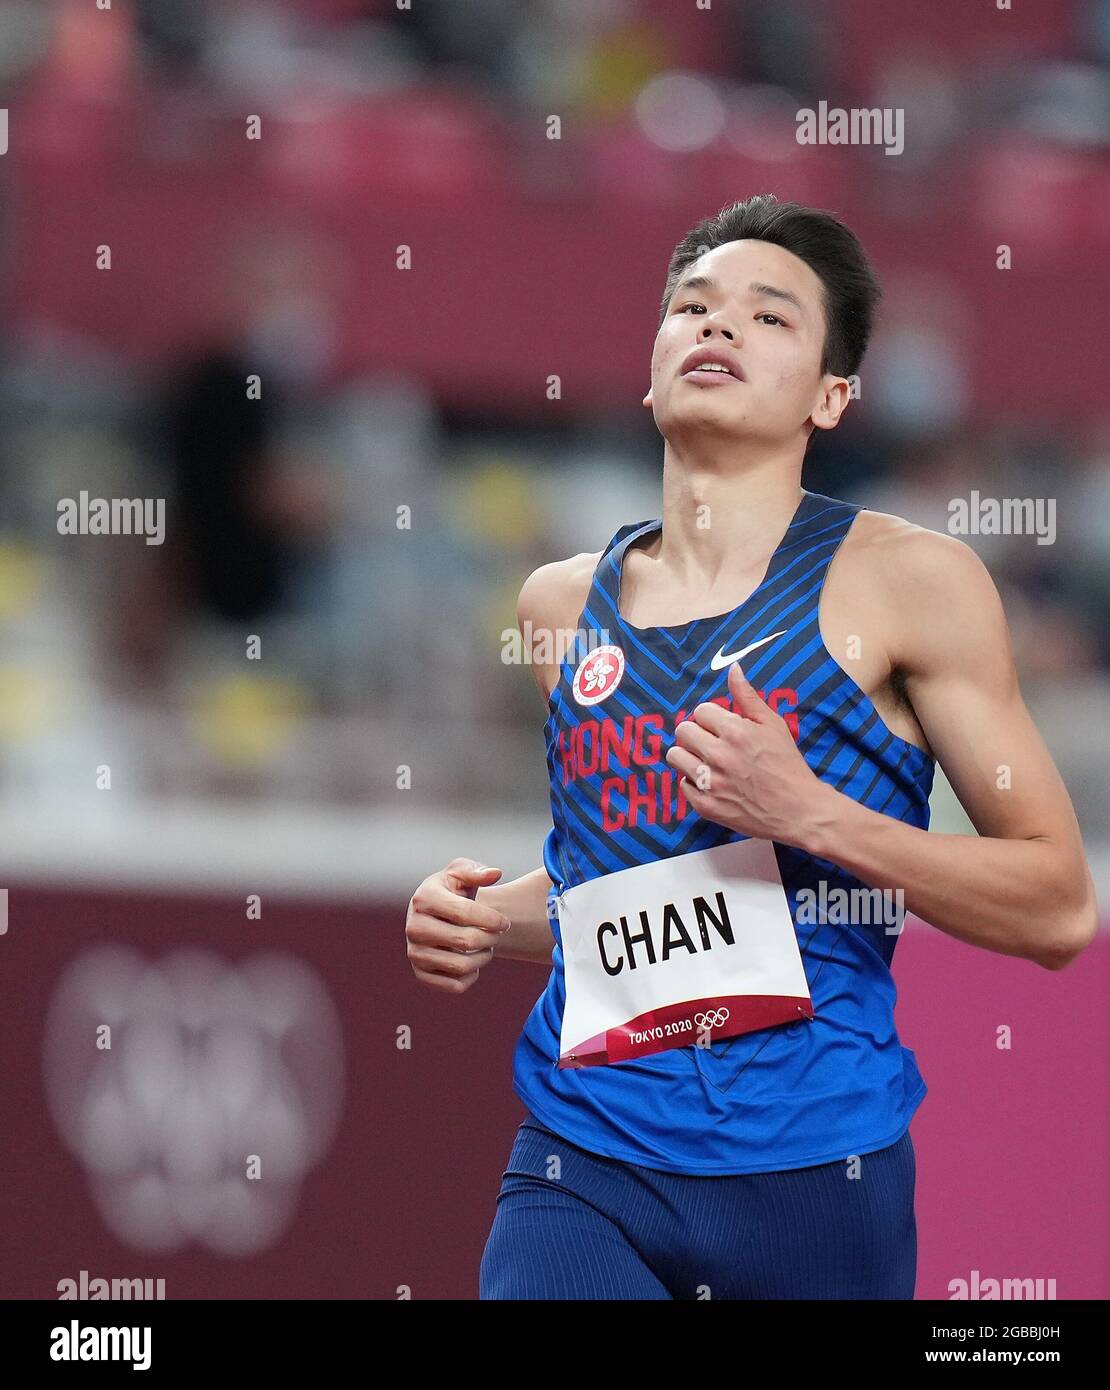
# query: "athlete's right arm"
{"points": [[550, 603], [460, 917]]}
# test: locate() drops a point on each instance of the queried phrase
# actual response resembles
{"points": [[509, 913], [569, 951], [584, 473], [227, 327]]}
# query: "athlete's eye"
{"points": [[781, 322], [692, 305]]}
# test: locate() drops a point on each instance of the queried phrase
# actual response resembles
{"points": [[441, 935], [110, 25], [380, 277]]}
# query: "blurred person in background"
{"points": [[248, 513]]}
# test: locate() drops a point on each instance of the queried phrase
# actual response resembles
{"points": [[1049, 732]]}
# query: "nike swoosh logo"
{"points": [[721, 660]]}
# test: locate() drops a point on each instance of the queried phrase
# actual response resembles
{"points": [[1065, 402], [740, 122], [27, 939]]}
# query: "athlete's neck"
{"points": [[718, 521]]}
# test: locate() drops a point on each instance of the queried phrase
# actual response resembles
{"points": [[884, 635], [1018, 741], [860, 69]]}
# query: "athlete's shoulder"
{"points": [[561, 585], [936, 599], [913, 559], [556, 590]]}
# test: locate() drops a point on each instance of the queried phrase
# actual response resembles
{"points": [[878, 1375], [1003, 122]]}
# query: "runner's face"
{"points": [[775, 342]]}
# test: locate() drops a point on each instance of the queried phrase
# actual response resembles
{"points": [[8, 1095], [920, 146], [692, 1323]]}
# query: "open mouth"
{"points": [[710, 365], [707, 373]]}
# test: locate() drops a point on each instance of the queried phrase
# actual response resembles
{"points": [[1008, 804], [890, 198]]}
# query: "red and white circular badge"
{"points": [[598, 675]]}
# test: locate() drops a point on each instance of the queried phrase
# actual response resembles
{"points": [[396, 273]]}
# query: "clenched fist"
{"points": [[450, 936]]}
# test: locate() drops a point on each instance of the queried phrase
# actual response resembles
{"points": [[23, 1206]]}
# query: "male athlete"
{"points": [[741, 744]]}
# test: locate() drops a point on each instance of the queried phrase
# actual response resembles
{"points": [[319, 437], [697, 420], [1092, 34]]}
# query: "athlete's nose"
{"points": [[724, 332]]}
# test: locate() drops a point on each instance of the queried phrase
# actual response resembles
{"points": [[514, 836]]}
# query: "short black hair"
{"points": [[826, 245]]}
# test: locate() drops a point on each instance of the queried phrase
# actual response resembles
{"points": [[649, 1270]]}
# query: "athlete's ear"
{"points": [[647, 398], [833, 403]]}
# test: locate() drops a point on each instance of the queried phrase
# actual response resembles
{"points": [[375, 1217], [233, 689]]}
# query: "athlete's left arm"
{"points": [[1022, 887]]}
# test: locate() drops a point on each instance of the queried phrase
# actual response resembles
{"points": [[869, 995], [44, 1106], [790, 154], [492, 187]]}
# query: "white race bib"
{"points": [[698, 946]]}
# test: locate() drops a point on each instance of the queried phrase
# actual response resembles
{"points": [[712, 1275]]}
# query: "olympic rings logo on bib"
{"points": [[713, 1019], [598, 675]]}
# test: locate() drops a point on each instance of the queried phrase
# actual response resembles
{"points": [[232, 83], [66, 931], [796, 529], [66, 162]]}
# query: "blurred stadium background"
{"points": [[427, 388]]}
